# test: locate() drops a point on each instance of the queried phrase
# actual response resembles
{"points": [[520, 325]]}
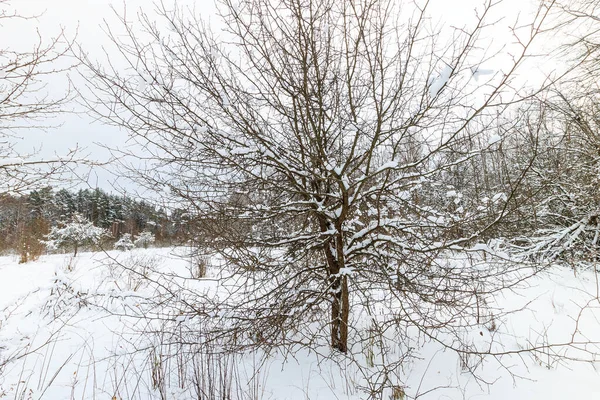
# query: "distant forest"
{"points": [[26, 220]]}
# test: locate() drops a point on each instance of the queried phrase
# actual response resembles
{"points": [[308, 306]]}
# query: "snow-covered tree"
{"points": [[76, 233], [124, 243], [561, 222], [312, 147], [144, 239]]}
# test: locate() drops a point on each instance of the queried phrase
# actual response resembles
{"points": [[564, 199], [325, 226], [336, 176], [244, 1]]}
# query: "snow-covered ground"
{"points": [[66, 324]]}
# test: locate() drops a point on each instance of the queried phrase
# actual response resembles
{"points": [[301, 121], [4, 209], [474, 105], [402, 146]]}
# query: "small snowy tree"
{"points": [[145, 239], [124, 243], [76, 233]]}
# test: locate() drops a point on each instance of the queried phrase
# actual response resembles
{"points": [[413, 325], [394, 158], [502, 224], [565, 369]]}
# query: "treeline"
{"points": [[26, 220]]}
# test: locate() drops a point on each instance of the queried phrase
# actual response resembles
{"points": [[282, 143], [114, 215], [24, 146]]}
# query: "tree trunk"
{"points": [[340, 304], [76, 246], [340, 310]]}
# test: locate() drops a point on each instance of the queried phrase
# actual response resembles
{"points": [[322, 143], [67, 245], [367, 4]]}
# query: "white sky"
{"points": [[85, 17]]}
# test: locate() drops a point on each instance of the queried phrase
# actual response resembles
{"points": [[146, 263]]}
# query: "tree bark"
{"points": [[340, 305], [340, 310]]}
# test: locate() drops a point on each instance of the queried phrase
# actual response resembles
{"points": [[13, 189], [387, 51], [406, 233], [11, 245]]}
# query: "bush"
{"points": [[124, 243], [145, 239]]}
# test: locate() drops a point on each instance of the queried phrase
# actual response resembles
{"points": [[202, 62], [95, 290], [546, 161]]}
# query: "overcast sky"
{"points": [[85, 18], [85, 21]]}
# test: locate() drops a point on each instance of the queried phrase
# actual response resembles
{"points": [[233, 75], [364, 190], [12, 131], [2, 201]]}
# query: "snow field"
{"points": [[82, 328]]}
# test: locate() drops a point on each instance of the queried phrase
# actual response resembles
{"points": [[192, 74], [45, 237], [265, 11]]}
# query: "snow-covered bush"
{"points": [[76, 233], [145, 239], [124, 243]]}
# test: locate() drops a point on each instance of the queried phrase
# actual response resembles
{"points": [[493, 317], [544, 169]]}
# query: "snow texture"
{"points": [[436, 84], [86, 306]]}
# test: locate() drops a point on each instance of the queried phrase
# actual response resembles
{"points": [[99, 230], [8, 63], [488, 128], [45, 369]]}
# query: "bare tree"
{"points": [[564, 225], [315, 145], [25, 103]]}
